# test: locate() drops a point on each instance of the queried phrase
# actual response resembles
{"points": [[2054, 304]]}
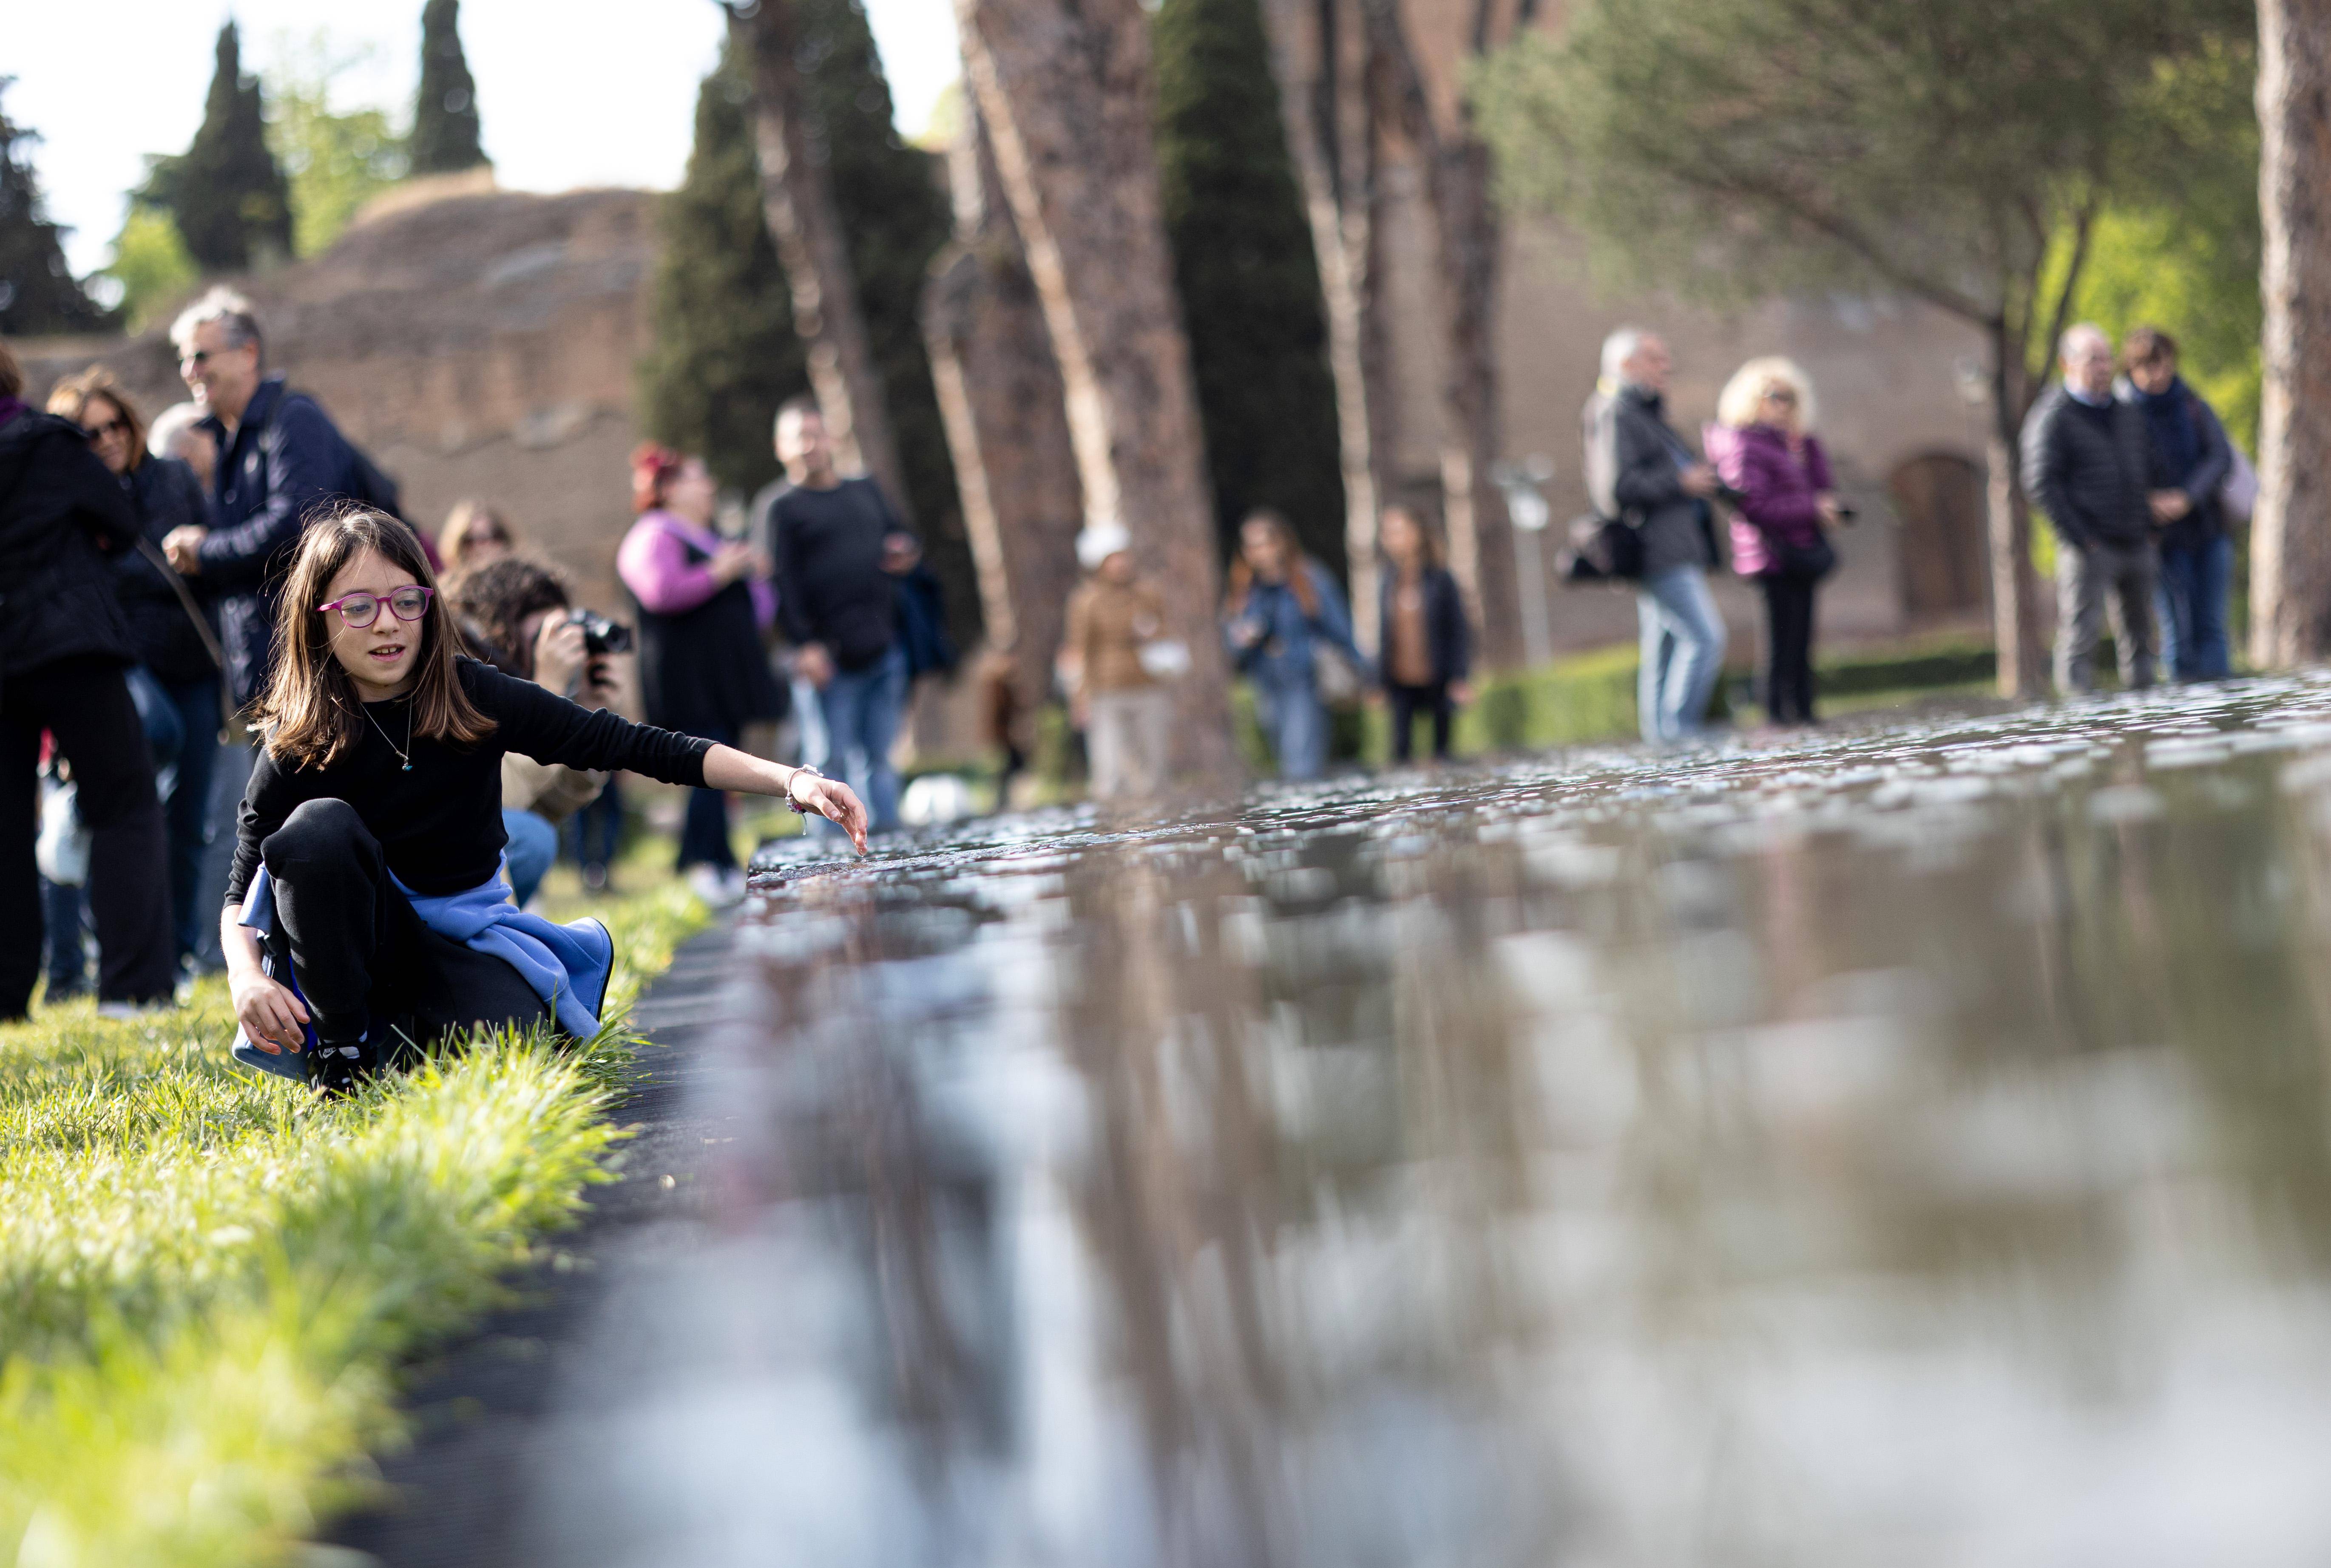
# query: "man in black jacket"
{"points": [[2087, 463], [828, 537], [1638, 471], [63, 647], [280, 455]]}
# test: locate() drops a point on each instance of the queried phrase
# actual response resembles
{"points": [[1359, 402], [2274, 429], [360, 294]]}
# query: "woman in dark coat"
{"points": [[171, 631], [63, 646], [1424, 647]]}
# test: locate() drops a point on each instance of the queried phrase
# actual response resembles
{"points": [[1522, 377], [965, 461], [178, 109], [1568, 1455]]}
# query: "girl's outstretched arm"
{"points": [[727, 768]]}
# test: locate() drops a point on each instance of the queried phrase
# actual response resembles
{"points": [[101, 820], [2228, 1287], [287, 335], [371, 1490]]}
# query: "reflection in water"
{"points": [[1903, 1147]]}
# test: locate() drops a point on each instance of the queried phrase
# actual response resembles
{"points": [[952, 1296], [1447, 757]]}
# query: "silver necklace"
{"points": [[405, 753]]}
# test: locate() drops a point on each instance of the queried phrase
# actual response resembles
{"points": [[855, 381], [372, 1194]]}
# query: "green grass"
{"points": [[208, 1277]]}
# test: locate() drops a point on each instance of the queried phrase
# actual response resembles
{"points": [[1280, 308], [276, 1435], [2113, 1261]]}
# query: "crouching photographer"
{"points": [[514, 615]]}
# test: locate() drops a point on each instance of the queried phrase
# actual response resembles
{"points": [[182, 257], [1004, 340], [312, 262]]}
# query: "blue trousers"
{"points": [[1294, 721], [181, 721], [533, 845], [1683, 652], [861, 709], [2192, 610]]}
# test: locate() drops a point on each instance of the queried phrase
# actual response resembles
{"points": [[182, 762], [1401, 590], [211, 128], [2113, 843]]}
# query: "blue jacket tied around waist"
{"points": [[568, 967]]}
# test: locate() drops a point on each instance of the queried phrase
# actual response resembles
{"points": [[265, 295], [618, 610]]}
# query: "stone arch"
{"points": [[1944, 552]]}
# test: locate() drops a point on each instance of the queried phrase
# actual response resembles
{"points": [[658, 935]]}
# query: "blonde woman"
{"points": [[1762, 444]]}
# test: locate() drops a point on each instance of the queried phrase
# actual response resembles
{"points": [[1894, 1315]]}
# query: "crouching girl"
{"points": [[367, 907]]}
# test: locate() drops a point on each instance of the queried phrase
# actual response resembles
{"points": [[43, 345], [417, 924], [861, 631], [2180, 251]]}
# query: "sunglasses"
{"points": [[110, 427], [358, 611], [1779, 394], [477, 537]]}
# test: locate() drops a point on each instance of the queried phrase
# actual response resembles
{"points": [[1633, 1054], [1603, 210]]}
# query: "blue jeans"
{"points": [[1683, 652], [591, 835], [1294, 721], [704, 827], [533, 845], [861, 709], [2192, 610], [186, 809]]}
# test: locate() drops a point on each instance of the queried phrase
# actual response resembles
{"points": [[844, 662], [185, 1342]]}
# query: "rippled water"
{"points": [[1905, 1146]]}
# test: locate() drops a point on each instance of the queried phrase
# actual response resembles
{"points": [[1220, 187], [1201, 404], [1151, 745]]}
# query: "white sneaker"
{"points": [[716, 887], [130, 1011]]}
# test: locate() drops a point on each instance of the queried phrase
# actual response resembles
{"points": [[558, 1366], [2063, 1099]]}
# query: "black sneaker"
{"points": [[337, 1071]]}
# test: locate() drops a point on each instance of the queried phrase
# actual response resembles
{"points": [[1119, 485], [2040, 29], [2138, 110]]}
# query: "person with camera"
{"points": [[1638, 471], [1764, 449], [514, 615], [703, 603]]}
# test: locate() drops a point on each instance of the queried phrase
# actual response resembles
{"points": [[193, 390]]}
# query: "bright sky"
{"points": [[571, 93]]}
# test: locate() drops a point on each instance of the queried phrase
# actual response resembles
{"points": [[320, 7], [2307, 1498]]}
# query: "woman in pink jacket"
{"points": [[1763, 446], [703, 604]]}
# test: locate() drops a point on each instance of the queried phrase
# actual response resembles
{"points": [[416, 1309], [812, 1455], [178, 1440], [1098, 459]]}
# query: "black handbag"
{"points": [[1807, 563], [1601, 550]]}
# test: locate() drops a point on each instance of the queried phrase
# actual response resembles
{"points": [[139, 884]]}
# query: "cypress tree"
{"points": [[894, 209], [229, 195], [38, 293], [1249, 281], [725, 353], [445, 109]]}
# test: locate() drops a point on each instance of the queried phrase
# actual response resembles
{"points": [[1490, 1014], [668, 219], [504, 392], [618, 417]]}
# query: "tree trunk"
{"points": [[799, 204], [1306, 57], [2014, 585], [2290, 539], [1066, 91], [1000, 394], [1468, 241]]}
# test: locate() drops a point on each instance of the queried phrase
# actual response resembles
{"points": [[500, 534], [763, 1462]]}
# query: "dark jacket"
{"points": [[2207, 456], [167, 496], [286, 457], [831, 589], [62, 516], [922, 623], [2089, 469], [1445, 630], [1634, 473]]}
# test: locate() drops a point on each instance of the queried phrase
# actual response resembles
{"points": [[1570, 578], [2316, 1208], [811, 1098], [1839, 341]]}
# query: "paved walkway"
{"points": [[491, 1417]]}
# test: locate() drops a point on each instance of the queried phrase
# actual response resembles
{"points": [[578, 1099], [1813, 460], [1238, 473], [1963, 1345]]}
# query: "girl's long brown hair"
{"points": [[310, 709], [1290, 551]]}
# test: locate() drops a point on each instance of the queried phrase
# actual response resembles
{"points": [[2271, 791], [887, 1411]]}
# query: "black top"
{"points": [[440, 824], [168, 495], [62, 514], [830, 584]]}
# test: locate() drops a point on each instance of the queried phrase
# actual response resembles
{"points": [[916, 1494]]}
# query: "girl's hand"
{"points": [[271, 1017], [1461, 692], [831, 798], [1832, 510]]}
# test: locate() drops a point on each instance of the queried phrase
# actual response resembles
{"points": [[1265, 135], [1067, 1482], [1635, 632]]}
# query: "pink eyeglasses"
{"points": [[358, 611]]}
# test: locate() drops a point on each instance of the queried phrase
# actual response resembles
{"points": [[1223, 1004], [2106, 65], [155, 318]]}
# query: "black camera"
{"points": [[600, 635], [1729, 494]]}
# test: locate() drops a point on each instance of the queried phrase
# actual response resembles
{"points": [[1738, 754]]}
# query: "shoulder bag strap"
{"points": [[161, 564]]}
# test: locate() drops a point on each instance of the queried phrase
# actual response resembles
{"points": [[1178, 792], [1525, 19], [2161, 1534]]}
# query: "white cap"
{"points": [[1099, 542]]}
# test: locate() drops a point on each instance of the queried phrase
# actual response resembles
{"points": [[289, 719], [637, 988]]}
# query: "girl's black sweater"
{"points": [[439, 824]]}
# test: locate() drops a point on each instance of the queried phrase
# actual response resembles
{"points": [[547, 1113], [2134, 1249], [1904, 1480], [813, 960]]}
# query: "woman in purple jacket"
{"points": [[1763, 447]]}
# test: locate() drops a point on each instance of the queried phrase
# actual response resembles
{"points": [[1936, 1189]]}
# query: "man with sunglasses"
{"points": [[279, 455]]}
